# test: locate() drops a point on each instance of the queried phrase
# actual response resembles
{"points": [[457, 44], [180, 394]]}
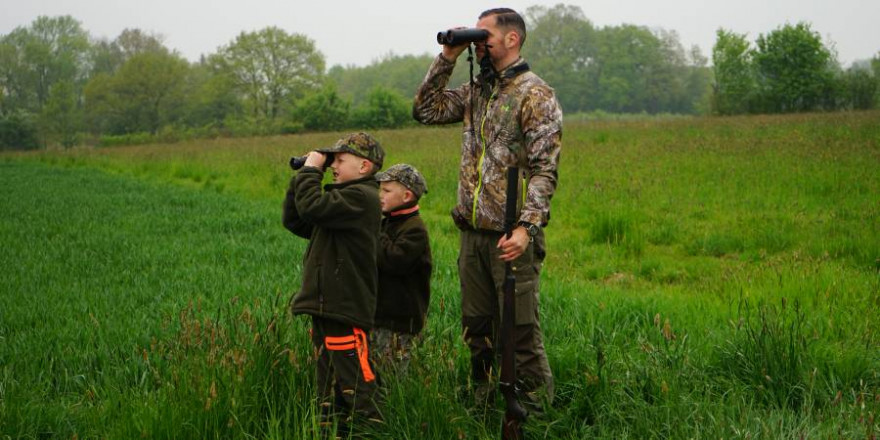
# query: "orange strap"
{"points": [[357, 342]]}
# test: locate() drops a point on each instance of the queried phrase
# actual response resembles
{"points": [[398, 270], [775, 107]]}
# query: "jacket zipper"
{"points": [[479, 187]]}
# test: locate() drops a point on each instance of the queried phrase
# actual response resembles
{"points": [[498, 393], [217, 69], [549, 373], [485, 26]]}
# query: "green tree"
{"points": [[323, 110], [698, 83], [17, 131], [400, 73], [133, 41], [562, 47], [108, 56], [104, 57], [383, 108], [211, 96], [270, 69], [628, 55], [875, 68], [61, 117], [666, 77], [859, 88], [145, 94], [795, 71], [50, 50], [735, 86]]}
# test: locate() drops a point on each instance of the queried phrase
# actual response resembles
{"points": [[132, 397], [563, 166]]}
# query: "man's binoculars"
{"points": [[297, 162], [455, 37]]}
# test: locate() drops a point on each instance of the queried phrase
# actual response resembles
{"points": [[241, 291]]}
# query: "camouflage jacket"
{"points": [[519, 124]]}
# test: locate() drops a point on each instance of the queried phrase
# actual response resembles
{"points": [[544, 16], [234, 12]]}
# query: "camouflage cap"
{"points": [[360, 144], [407, 175]]}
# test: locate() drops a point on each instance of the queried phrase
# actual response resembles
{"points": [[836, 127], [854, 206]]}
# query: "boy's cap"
{"points": [[360, 144], [407, 175]]}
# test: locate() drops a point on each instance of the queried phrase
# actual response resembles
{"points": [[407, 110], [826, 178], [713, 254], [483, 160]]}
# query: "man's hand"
{"points": [[316, 160], [513, 247], [451, 53]]}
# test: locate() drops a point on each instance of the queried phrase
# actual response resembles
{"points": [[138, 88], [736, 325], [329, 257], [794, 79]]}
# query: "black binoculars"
{"points": [[297, 162], [455, 37]]}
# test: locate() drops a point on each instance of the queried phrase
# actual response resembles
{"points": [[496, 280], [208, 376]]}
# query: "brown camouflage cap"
{"points": [[407, 175], [360, 144]]}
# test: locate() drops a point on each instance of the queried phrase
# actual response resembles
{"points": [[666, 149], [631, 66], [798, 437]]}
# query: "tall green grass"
{"points": [[706, 278]]}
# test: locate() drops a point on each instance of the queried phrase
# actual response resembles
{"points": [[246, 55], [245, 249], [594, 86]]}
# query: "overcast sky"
{"points": [[359, 32]]}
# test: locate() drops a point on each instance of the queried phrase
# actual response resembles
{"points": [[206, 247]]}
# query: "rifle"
{"points": [[514, 414]]}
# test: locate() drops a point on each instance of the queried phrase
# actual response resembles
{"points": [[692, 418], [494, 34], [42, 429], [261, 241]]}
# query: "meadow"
{"points": [[706, 279]]}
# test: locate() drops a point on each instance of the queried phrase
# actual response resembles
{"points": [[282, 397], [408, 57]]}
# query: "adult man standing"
{"points": [[510, 118]]}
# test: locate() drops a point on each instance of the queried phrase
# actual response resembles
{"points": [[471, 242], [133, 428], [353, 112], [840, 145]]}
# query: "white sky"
{"points": [[359, 32]]}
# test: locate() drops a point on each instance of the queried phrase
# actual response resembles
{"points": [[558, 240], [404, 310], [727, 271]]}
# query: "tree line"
{"points": [[788, 70], [60, 86]]}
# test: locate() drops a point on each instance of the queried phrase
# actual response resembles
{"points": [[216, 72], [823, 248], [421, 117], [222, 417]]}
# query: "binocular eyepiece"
{"points": [[455, 37], [298, 162]]}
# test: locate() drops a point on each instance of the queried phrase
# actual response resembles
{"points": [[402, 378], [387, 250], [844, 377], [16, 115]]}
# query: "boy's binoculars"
{"points": [[455, 37], [297, 162]]}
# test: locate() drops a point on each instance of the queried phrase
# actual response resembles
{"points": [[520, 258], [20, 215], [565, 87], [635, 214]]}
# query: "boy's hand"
{"points": [[316, 160], [513, 247]]}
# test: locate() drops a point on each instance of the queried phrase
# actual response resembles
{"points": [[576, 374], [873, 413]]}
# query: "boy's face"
{"points": [[392, 194], [347, 166]]}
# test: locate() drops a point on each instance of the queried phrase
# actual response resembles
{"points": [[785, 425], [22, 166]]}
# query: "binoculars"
{"points": [[297, 162], [455, 37]]}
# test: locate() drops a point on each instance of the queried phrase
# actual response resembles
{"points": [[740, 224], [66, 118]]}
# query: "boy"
{"points": [[404, 262], [339, 269]]}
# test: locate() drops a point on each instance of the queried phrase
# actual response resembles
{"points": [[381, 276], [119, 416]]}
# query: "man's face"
{"points": [[497, 49], [347, 166], [391, 195]]}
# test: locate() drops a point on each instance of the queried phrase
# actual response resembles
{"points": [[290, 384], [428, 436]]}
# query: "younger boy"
{"points": [[339, 278], [404, 262]]}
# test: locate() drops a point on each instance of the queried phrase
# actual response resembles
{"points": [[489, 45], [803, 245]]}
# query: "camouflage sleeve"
{"points": [[434, 104], [542, 128]]}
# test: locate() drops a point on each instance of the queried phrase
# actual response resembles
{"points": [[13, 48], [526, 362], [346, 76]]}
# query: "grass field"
{"points": [[706, 279]]}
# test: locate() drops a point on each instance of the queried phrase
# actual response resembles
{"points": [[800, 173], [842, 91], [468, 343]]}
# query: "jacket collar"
{"points": [[351, 182], [489, 78], [515, 69], [402, 212]]}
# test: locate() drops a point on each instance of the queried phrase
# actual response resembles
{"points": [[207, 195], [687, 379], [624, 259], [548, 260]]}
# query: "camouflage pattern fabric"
{"points": [[407, 175], [520, 124], [391, 350], [360, 144]]}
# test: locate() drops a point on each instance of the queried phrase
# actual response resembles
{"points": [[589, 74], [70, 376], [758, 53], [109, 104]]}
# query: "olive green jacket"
{"points": [[404, 273], [339, 275]]}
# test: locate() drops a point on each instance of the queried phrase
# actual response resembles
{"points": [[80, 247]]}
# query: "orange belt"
{"points": [[357, 342]]}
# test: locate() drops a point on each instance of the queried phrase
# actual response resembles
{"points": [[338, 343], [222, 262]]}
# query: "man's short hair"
{"points": [[508, 19]]}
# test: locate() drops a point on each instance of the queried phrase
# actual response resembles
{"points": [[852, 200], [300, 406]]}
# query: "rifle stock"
{"points": [[514, 414]]}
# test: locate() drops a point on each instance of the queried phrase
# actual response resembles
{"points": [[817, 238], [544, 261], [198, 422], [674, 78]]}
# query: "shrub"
{"points": [[18, 131]]}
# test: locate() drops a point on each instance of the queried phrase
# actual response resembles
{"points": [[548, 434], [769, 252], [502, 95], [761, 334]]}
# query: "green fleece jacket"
{"points": [[339, 276], [404, 273]]}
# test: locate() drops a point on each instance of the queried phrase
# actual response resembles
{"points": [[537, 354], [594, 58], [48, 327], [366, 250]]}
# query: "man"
{"points": [[510, 118]]}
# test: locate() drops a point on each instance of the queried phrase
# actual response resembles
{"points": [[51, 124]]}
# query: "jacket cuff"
{"points": [[533, 217]]}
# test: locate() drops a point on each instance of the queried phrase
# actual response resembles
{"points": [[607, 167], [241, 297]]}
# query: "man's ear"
{"points": [[408, 196], [511, 40]]}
